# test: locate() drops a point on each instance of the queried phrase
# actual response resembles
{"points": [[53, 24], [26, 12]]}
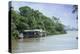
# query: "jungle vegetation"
{"points": [[27, 19]]}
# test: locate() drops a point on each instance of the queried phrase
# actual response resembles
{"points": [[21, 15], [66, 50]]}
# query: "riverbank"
{"points": [[48, 43]]}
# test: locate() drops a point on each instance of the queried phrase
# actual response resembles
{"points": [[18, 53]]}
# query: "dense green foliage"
{"points": [[27, 18]]}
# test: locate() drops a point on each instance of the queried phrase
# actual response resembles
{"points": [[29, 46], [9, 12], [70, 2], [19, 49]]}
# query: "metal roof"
{"points": [[40, 30]]}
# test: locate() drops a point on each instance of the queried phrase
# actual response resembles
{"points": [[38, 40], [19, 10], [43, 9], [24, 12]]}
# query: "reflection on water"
{"points": [[52, 42]]}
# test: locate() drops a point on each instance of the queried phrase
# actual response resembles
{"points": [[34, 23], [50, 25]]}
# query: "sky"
{"points": [[61, 11]]}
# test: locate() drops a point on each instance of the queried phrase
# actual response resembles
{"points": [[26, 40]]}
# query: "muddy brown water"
{"points": [[48, 43]]}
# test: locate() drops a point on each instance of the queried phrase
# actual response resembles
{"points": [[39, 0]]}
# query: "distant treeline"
{"points": [[27, 18]]}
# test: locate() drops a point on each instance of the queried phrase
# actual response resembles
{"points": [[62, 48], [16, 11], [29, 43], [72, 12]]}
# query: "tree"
{"points": [[75, 9], [28, 19]]}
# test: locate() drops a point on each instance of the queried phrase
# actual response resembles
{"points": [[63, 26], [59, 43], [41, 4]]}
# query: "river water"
{"points": [[48, 43]]}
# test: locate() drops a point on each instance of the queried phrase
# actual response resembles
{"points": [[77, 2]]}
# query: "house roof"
{"points": [[40, 30]]}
